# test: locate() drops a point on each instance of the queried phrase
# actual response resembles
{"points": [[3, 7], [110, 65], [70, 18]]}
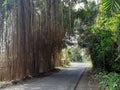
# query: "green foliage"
{"points": [[110, 7], [109, 81], [108, 26], [103, 40], [87, 14], [104, 45], [100, 33], [85, 18], [74, 55], [9, 4]]}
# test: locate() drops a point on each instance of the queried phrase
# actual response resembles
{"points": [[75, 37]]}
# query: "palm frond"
{"points": [[111, 6]]}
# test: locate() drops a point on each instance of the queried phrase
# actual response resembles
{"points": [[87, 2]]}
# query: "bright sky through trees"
{"points": [[81, 5]]}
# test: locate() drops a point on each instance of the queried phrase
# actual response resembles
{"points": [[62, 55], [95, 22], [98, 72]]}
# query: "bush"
{"points": [[109, 81], [73, 55], [104, 50]]}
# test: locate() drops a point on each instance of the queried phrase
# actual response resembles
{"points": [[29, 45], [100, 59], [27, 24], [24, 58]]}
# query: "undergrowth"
{"points": [[109, 81]]}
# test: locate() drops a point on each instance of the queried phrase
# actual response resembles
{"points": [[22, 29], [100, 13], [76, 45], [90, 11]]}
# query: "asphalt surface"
{"points": [[87, 82], [66, 79]]}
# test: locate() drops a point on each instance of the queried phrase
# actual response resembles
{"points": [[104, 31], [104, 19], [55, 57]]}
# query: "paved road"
{"points": [[66, 79], [88, 82]]}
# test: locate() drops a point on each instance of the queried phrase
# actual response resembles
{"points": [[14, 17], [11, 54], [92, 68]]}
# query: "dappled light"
{"points": [[75, 37]]}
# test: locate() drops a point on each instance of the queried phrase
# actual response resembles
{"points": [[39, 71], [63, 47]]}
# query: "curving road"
{"points": [[66, 79]]}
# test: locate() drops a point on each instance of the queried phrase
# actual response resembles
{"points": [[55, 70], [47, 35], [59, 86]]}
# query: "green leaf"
{"points": [[110, 7]]}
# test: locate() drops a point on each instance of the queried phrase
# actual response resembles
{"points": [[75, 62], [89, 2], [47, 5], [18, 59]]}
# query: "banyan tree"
{"points": [[31, 36]]}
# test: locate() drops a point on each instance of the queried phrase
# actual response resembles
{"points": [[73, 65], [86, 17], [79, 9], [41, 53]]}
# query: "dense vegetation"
{"points": [[107, 48], [109, 81], [99, 30], [36, 31], [75, 55]]}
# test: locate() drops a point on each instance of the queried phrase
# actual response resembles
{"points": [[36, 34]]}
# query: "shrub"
{"points": [[109, 81]]}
